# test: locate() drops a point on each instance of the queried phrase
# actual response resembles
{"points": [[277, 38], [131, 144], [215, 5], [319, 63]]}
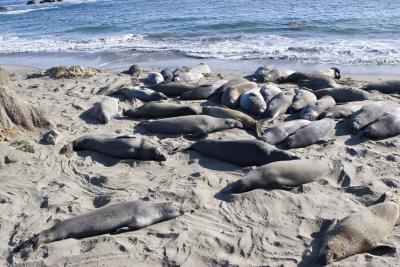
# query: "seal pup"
{"points": [[105, 110], [301, 99], [142, 94], [388, 125], [252, 102], [359, 232], [278, 133], [344, 95], [310, 134], [232, 90], [202, 91], [226, 113], [269, 90], [160, 110], [343, 110], [241, 152], [121, 147], [370, 113], [155, 78], [312, 111], [172, 89], [280, 174], [195, 125], [110, 219], [278, 105], [386, 87]]}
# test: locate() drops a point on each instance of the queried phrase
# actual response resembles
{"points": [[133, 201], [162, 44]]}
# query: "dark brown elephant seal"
{"points": [[359, 232], [172, 89], [386, 87], [197, 125], [311, 81], [280, 174], [160, 110], [110, 219], [142, 94], [388, 125], [370, 113], [232, 90], [121, 147], [314, 110], [344, 95], [241, 152], [202, 91]]}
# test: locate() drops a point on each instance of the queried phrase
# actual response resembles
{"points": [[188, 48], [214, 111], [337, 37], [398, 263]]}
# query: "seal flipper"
{"points": [[31, 242], [132, 225], [195, 136], [68, 150]]}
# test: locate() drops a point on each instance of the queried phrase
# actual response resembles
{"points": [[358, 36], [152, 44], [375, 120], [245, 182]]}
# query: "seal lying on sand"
{"points": [[110, 219], [196, 125], [172, 89], [269, 90], [241, 152], [312, 111], [194, 74], [278, 105], [388, 125], [121, 147], [370, 113], [280, 174], [232, 90], [387, 87], [253, 102], [142, 94], [105, 110], [309, 80], [278, 133], [160, 110], [344, 110], [276, 75], [331, 72], [202, 91], [301, 99], [310, 134], [358, 233], [344, 95]]}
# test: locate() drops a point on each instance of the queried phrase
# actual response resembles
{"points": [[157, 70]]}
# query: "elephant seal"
{"points": [[105, 110], [359, 232], [142, 94], [260, 74], [388, 125], [172, 89], [232, 90], [241, 152], [311, 81], [135, 71], [121, 147], [312, 111], [155, 78], [276, 75], [331, 72], [167, 75], [110, 219], [194, 74], [278, 133], [310, 134], [386, 87], [344, 110], [252, 102], [280, 174], [226, 113], [160, 110], [278, 105], [301, 99], [370, 113], [197, 125], [269, 90], [344, 95], [202, 91]]}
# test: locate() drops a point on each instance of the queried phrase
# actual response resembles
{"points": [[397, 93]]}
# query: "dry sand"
{"points": [[258, 228]]}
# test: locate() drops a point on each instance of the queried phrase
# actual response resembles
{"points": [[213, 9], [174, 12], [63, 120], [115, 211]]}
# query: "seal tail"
{"points": [[68, 150], [33, 242]]}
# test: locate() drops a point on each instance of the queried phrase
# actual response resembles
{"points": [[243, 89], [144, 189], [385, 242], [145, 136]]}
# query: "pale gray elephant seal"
{"points": [[314, 110], [232, 90], [202, 91], [242, 152], [310, 134], [196, 125], [331, 72], [121, 147], [252, 102], [301, 99], [226, 113], [110, 219], [360, 232], [370, 113], [278, 133], [280, 174], [344, 110], [386, 87], [155, 78], [344, 95], [172, 89], [278, 105], [276, 75], [160, 110], [194, 74], [142, 94], [388, 125], [269, 90], [105, 110]]}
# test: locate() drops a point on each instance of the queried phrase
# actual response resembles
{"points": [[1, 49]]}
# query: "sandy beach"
{"points": [[257, 228]]}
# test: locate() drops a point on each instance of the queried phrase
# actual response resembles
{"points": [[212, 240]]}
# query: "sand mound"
{"points": [[72, 72], [16, 113]]}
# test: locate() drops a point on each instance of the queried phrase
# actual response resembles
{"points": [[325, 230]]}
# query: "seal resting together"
{"points": [[110, 219]]}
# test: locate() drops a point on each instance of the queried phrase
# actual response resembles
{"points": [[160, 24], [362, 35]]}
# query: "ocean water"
{"points": [[340, 32]]}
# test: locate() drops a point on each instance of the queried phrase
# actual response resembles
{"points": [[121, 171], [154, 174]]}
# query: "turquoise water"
{"points": [[338, 32]]}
